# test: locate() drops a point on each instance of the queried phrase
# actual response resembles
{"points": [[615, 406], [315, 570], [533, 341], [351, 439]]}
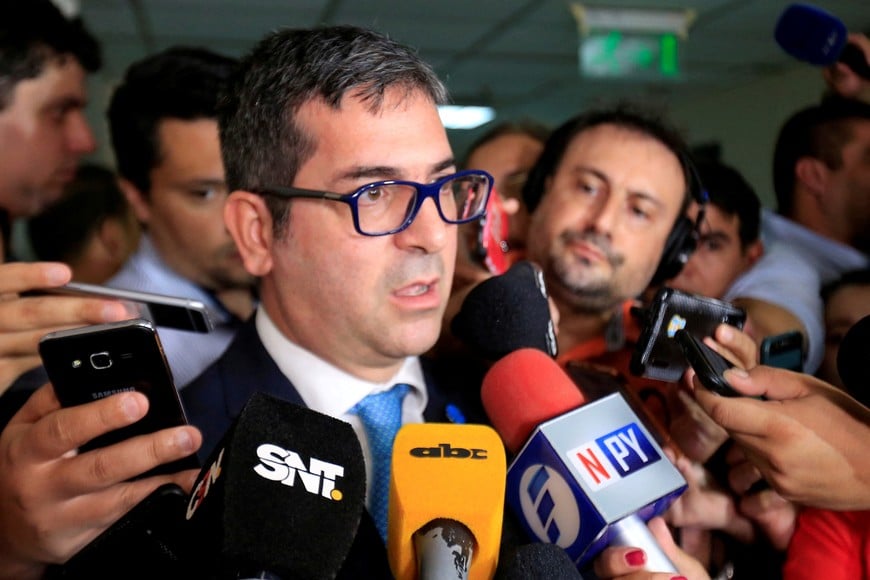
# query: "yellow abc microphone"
{"points": [[447, 487]]}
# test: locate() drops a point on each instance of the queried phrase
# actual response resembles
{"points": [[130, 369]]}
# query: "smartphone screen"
{"points": [[169, 311], [91, 363], [784, 351]]}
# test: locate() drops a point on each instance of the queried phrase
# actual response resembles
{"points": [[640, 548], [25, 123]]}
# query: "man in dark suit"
{"points": [[333, 147]]}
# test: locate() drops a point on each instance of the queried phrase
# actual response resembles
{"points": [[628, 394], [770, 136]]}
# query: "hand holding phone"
{"points": [[708, 364], [785, 351], [94, 362]]}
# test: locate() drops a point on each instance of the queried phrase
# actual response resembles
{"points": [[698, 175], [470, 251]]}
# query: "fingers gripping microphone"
{"points": [[447, 495], [508, 312], [282, 494], [812, 35], [588, 475]]}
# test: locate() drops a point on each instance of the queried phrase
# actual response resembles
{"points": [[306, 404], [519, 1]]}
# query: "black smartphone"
{"points": [[785, 351], [491, 243], [708, 364], [93, 362], [162, 310], [657, 355]]}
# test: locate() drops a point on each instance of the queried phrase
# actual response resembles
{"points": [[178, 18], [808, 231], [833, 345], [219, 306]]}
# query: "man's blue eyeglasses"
{"points": [[388, 207]]}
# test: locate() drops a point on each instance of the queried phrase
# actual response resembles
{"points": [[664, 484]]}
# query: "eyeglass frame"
{"points": [[423, 192]]}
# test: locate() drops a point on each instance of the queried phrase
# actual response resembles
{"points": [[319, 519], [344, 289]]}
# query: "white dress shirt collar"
{"points": [[330, 390]]}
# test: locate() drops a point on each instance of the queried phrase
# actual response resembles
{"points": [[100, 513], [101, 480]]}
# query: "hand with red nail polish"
{"points": [[628, 562]]}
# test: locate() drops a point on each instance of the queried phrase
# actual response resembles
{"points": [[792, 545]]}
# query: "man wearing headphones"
{"points": [[608, 198]]}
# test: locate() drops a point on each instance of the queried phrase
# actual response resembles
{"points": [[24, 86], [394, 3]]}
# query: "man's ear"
{"points": [[137, 199], [813, 173], [116, 240], [250, 224], [753, 252]]}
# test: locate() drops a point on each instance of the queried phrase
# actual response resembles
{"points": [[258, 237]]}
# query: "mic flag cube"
{"points": [[582, 472], [446, 471]]}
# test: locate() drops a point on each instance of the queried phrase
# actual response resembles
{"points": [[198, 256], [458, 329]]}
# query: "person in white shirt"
{"points": [[822, 227], [163, 123]]}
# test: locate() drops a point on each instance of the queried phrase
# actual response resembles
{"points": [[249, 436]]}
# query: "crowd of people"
{"points": [[289, 192]]}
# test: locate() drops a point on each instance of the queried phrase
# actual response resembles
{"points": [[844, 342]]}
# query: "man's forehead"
{"points": [[716, 220], [615, 134], [59, 80], [403, 135], [605, 142]]}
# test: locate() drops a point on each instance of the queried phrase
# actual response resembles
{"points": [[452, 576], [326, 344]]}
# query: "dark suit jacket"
{"points": [[214, 399]]}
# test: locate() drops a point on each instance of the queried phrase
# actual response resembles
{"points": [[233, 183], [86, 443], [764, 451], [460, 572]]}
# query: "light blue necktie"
{"points": [[381, 416]]}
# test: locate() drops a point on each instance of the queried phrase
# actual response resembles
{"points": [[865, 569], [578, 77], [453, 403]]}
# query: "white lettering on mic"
{"points": [[619, 447], [203, 486], [318, 477]]}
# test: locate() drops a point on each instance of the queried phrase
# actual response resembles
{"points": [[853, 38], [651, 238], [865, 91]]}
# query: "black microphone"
{"points": [[812, 35], [507, 312], [538, 560], [852, 361], [147, 542], [281, 496]]}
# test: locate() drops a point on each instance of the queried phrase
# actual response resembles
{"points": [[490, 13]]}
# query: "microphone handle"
{"points": [[853, 57], [444, 549], [632, 531]]}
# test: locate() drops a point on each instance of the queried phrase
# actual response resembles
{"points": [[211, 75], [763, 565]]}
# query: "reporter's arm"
{"points": [[809, 440], [53, 501]]}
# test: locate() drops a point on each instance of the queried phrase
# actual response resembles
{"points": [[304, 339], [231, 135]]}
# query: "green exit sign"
{"points": [[630, 55]]}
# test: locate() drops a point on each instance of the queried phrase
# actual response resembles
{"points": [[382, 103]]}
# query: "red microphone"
{"points": [[524, 389]]}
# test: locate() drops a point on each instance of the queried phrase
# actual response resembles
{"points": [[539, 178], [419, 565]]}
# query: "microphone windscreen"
{"points": [[148, 541], [810, 34], [852, 360], [524, 389], [508, 312], [446, 471], [283, 493], [538, 560]]}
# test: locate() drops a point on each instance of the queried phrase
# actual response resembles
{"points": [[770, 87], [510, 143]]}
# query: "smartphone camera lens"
{"points": [[101, 360]]}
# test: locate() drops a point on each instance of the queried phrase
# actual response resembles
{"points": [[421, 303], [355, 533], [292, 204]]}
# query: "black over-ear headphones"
{"points": [[684, 236]]}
